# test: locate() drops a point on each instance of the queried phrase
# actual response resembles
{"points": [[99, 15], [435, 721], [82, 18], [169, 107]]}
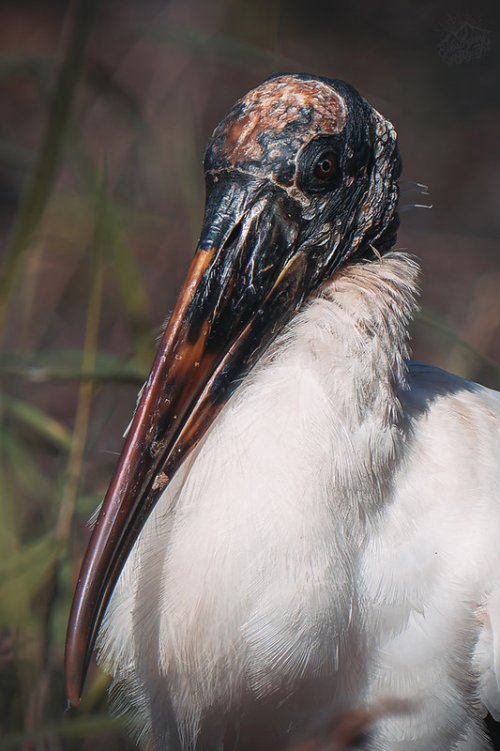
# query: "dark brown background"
{"points": [[114, 195]]}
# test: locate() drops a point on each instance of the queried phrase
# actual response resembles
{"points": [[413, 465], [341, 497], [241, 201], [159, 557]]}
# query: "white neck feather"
{"points": [[367, 310], [224, 593]]}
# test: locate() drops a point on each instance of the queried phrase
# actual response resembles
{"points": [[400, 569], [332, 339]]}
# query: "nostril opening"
{"points": [[233, 236]]}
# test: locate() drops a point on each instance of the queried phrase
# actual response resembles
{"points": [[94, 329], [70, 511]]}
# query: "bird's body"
{"points": [[302, 522], [331, 529]]}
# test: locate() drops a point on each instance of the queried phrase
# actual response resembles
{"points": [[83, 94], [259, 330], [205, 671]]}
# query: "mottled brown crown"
{"points": [[265, 130]]}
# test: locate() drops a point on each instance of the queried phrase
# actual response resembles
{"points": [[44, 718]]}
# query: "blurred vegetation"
{"points": [[104, 112]]}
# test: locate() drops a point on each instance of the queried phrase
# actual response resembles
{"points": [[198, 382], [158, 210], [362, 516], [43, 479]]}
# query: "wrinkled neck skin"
{"points": [[242, 585]]}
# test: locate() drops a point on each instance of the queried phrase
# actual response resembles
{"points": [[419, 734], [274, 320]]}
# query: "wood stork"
{"points": [[302, 520]]}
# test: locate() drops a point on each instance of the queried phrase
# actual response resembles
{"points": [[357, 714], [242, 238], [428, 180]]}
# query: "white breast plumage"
{"points": [[302, 521]]}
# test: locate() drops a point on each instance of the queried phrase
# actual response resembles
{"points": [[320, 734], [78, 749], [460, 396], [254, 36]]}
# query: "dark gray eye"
{"points": [[320, 165], [325, 167]]}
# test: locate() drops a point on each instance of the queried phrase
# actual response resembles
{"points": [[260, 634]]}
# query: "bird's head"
{"points": [[301, 177], [306, 164]]}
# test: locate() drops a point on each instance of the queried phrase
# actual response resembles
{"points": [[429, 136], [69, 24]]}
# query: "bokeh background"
{"points": [[105, 107]]}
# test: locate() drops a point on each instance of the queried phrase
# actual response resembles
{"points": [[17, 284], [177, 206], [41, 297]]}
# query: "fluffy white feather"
{"points": [[332, 542]]}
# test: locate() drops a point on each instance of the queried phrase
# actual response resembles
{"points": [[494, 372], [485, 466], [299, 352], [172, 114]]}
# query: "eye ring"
{"points": [[320, 164], [325, 166]]}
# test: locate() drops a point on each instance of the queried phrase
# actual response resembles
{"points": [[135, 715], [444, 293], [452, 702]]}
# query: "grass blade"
{"points": [[37, 421], [39, 187]]}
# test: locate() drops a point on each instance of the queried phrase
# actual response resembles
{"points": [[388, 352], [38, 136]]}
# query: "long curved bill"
{"points": [[244, 282]]}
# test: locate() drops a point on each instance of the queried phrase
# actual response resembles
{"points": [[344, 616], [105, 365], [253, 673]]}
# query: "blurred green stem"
{"points": [[74, 468], [39, 187], [70, 490], [120, 255]]}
